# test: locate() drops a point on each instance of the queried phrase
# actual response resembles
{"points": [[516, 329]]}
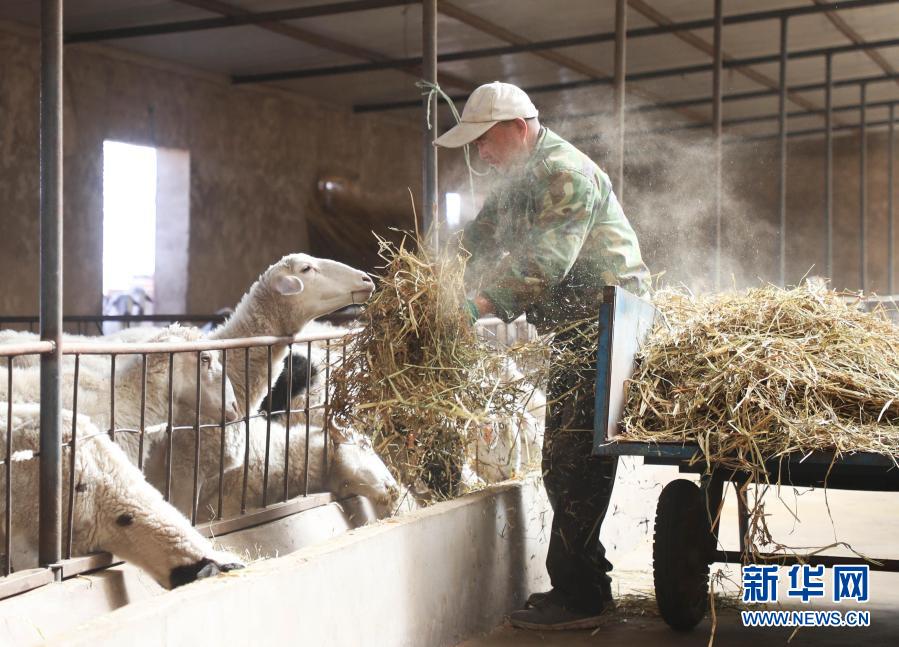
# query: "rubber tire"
{"points": [[681, 552]]}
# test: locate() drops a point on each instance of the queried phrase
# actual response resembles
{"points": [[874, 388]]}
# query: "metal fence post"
{"points": [[620, 72], [863, 189], [890, 154], [782, 134], [828, 168], [717, 97], [50, 511], [429, 151]]}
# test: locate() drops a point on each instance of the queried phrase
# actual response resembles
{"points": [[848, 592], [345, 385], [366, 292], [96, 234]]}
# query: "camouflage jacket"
{"points": [[548, 239]]}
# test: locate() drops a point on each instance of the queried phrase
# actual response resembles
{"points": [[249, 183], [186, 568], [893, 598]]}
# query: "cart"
{"points": [[685, 539]]}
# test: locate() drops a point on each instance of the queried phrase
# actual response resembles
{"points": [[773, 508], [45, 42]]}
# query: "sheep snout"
{"points": [[202, 569]]}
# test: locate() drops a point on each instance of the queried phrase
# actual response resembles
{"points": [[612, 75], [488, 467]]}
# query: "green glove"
{"points": [[471, 310]]}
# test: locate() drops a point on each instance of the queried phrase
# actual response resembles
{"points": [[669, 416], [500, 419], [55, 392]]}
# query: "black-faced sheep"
{"points": [[115, 509]]}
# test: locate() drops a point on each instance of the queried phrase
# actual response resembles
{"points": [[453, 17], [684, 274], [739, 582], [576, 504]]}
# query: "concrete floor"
{"points": [[868, 521]]}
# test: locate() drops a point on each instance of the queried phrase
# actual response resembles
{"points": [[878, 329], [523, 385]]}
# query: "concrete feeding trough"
{"points": [[436, 576]]}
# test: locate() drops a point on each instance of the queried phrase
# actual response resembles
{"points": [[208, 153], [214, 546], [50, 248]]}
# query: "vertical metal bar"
{"points": [[222, 421], [8, 467], [51, 196], [73, 447], [268, 430], [246, 421], [308, 413], [717, 98], [828, 170], [112, 397], [286, 491], [169, 432], [890, 154], [782, 133], [863, 188], [193, 503], [429, 150], [143, 411], [620, 72]]}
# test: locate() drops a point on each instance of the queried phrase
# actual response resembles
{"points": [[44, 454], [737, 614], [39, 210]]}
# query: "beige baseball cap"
{"points": [[488, 105]]}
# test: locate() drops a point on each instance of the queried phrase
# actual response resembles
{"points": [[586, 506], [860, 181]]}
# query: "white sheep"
{"points": [[94, 388], [352, 469], [11, 337], [115, 509], [509, 446], [286, 297]]}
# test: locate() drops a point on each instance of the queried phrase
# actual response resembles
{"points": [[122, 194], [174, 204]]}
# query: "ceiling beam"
{"points": [[328, 43], [755, 119], [775, 14], [813, 131], [751, 94], [233, 20], [587, 140], [558, 43], [668, 72], [497, 31], [706, 47], [855, 37]]}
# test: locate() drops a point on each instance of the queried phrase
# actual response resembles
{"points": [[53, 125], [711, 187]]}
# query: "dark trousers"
{"points": [[579, 487]]}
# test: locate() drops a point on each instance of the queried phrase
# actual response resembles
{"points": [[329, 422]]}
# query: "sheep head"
{"points": [[356, 470], [300, 288], [118, 511], [184, 380]]}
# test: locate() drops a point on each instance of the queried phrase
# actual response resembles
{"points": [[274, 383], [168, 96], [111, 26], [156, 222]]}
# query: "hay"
{"points": [[756, 375], [416, 377]]}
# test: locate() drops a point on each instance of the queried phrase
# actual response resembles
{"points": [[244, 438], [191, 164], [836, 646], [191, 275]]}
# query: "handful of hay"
{"points": [[753, 376], [416, 377]]}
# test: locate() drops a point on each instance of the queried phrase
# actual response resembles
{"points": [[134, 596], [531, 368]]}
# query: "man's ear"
{"points": [[521, 127], [288, 285]]}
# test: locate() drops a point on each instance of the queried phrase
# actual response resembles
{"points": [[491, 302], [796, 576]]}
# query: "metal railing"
{"points": [[93, 324], [274, 504], [82, 356]]}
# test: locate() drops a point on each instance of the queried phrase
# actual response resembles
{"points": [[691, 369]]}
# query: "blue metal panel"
{"points": [[603, 376], [624, 322]]}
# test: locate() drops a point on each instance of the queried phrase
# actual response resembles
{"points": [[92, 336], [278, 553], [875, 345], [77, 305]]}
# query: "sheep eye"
{"points": [[205, 360], [306, 269]]}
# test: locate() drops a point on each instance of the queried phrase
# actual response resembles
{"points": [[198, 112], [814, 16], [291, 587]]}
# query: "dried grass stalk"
{"points": [[417, 378], [756, 375]]}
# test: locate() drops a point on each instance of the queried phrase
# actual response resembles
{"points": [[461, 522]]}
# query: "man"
{"points": [[546, 241]]}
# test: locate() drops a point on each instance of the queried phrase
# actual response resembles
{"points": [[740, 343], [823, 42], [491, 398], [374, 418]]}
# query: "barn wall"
{"points": [[255, 156]]}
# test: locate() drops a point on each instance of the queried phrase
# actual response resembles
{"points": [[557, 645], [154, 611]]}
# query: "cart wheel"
{"points": [[680, 555]]}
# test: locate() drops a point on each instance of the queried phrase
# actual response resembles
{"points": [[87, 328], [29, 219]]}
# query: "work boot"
{"points": [[552, 612], [536, 599]]}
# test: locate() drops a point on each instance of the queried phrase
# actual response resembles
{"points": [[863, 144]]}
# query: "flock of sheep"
{"points": [[197, 413]]}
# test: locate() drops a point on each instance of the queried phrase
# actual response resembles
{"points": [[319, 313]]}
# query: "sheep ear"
{"points": [[288, 285], [337, 436]]}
